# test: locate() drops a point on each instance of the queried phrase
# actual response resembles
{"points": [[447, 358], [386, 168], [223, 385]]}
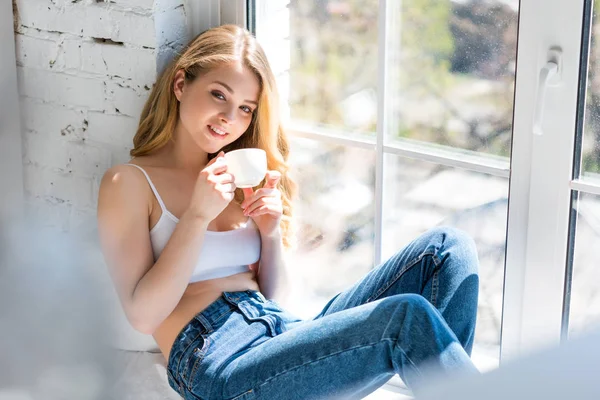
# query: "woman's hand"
{"points": [[265, 206], [213, 191]]}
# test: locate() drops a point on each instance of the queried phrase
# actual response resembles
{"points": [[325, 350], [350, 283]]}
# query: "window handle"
{"points": [[549, 76]]}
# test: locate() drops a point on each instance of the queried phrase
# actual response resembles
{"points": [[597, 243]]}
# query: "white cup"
{"points": [[248, 166]]}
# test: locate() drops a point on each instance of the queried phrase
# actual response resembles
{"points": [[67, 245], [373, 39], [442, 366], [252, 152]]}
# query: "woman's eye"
{"points": [[247, 110], [218, 95]]}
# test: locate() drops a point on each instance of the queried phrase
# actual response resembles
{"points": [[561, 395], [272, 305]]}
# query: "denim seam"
{"points": [[340, 352], [207, 342], [204, 350], [224, 365], [209, 330], [399, 274], [207, 325], [176, 382], [242, 395], [435, 283], [268, 319], [189, 392], [179, 372]]}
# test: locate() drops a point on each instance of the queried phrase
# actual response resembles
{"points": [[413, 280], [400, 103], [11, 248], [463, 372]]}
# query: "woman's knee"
{"points": [[458, 245], [411, 303]]}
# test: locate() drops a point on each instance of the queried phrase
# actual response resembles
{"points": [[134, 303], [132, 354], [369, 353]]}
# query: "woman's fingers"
{"points": [[264, 192], [226, 187], [224, 178], [270, 203], [272, 179], [266, 210]]}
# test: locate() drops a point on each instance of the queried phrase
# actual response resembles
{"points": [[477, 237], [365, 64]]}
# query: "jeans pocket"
{"points": [[264, 313], [194, 360]]}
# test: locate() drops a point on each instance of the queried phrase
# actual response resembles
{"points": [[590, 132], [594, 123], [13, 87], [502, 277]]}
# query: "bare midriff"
{"points": [[197, 297]]}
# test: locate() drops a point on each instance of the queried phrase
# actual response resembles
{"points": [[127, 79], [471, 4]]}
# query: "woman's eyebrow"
{"points": [[230, 90]]}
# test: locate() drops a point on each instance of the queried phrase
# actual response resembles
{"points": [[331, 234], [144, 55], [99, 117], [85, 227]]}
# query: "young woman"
{"points": [[196, 261]]}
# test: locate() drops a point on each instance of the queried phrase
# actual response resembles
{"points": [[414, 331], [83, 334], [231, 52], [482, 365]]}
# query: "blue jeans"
{"points": [[416, 310]]}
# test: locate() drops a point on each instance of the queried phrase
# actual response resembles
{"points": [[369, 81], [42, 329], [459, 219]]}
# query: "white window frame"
{"points": [[11, 161], [205, 14], [540, 168], [541, 178]]}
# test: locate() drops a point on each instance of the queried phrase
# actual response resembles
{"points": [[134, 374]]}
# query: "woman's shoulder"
{"points": [[127, 173], [122, 175], [124, 186]]}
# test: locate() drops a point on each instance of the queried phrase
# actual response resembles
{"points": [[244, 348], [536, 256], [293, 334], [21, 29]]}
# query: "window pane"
{"points": [[585, 284], [420, 195], [591, 137], [334, 218], [333, 63], [452, 73]]}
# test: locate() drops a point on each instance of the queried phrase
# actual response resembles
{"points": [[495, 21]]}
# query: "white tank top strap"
{"points": [[160, 201]]}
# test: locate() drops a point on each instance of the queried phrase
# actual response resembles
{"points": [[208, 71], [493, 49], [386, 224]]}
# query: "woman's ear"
{"points": [[179, 84]]}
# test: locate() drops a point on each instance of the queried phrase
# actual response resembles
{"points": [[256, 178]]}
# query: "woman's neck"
{"points": [[182, 153]]}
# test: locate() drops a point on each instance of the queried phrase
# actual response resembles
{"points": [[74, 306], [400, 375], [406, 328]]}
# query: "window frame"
{"points": [[541, 169]]}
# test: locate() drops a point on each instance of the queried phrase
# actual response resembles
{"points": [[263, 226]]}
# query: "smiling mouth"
{"points": [[217, 131]]}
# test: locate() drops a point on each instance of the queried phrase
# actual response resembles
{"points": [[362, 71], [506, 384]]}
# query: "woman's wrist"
{"points": [[196, 220], [273, 236]]}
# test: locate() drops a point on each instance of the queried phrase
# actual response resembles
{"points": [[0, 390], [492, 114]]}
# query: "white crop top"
{"points": [[223, 253]]}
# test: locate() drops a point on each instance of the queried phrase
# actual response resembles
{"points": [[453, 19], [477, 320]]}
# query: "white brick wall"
{"points": [[85, 69], [90, 19]]}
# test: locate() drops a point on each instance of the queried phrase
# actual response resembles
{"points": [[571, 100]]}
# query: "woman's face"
{"points": [[217, 107]]}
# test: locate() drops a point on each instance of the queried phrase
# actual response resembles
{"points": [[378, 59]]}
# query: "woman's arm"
{"points": [[265, 207], [149, 291], [272, 275]]}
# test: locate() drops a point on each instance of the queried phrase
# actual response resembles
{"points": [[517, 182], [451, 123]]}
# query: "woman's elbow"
{"points": [[143, 327], [141, 324]]}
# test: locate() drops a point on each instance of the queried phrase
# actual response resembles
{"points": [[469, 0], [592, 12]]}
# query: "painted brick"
{"points": [[134, 29], [138, 64], [171, 32], [115, 130], [48, 50], [35, 52], [124, 100], [61, 88], [46, 16], [76, 158], [46, 152], [58, 187], [96, 20], [81, 97], [52, 120], [139, 4], [69, 57], [86, 160], [120, 156]]}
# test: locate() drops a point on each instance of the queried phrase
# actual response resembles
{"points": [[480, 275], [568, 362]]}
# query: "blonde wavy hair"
{"points": [[212, 49]]}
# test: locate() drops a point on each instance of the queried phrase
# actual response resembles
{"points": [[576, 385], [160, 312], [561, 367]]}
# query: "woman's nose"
{"points": [[228, 114]]}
